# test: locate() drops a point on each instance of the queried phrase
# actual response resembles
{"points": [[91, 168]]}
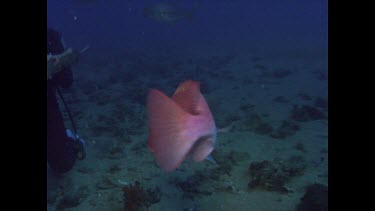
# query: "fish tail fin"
{"points": [[168, 140]]}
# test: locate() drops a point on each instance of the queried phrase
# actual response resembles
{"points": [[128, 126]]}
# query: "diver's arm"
{"points": [[59, 62]]}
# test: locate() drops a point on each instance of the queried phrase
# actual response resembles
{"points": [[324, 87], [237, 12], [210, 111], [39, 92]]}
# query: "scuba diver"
{"points": [[63, 146]]}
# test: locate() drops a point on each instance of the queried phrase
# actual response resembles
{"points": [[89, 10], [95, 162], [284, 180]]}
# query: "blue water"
{"points": [[260, 63]]}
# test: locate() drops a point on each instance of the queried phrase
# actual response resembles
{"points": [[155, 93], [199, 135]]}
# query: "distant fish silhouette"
{"points": [[179, 126], [167, 13]]}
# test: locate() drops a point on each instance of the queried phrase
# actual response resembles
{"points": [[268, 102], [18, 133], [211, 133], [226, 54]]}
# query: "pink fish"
{"points": [[180, 125]]}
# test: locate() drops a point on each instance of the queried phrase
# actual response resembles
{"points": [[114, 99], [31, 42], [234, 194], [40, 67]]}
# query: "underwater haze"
{"points": [[262, 68]]}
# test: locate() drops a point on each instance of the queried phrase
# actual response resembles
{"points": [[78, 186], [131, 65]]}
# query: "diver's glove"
{"points": [[79, 145]]}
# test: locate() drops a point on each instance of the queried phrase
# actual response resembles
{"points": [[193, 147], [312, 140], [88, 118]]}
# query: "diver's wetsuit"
{"points": [[60, 154]]}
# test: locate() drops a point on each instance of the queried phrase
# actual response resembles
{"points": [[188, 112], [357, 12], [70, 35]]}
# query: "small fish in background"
{"points": [[180, 125], [83, 2], [167, 13]]}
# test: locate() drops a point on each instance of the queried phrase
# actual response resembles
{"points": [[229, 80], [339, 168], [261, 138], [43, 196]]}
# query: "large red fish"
{"points": [[180, 125]]}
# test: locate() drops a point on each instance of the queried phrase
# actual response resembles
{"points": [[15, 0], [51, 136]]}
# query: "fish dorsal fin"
{"points": [[187, 95]]}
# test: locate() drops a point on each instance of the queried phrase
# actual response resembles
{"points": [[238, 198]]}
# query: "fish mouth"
{"points": [[202, 148]]}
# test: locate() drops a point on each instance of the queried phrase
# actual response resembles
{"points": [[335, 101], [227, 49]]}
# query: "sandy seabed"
{"points": [[108, 104]]}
